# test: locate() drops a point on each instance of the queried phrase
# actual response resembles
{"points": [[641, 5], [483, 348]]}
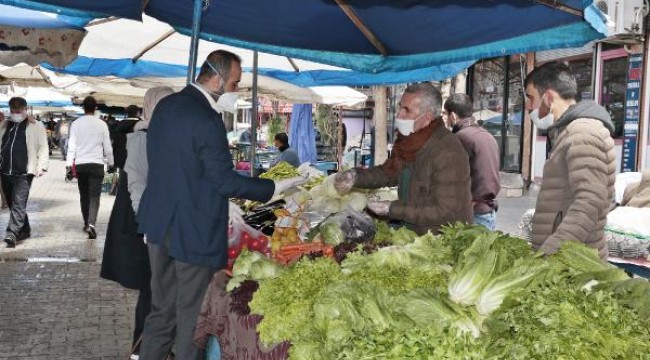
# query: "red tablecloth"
{"points": [[237, 335]]}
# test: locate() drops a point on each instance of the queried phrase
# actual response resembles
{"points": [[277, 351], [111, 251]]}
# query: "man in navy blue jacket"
{"points": [[184, 209]]}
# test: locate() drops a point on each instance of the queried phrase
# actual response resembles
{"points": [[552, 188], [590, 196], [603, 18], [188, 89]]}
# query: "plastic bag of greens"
{"points": [[331, 233], [356, 226]]}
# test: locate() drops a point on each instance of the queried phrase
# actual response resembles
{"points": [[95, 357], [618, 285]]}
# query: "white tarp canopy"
{"points": [[153, 40], [126, 39], [114, 91]]}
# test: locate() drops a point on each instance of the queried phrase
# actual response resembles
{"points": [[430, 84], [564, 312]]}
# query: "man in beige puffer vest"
{"points": [[579, 176]]}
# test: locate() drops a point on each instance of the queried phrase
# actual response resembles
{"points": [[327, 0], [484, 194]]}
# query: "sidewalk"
{"points": [[57, 311], [52, 308]]}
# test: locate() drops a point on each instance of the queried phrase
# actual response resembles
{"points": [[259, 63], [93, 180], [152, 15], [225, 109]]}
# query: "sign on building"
{"points": [[632, 100]]}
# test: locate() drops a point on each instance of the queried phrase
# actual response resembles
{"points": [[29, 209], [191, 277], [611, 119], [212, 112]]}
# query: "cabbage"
{"points": [[328, 187], [251, 265], [265, 269], [328, 205], [355, 200], [244, 261]]}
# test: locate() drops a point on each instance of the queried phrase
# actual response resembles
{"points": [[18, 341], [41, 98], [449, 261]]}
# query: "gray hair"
{"points": [[430, 97]]}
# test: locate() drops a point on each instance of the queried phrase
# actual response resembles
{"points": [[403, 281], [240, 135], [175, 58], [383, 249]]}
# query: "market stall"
{"points": [[328, 281]]}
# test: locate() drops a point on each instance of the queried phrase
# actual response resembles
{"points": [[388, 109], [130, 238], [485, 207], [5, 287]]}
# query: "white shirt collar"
{"points": [[211, 100]]}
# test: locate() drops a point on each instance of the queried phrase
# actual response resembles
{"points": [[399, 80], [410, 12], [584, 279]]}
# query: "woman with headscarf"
{"points": [[126, 259]]}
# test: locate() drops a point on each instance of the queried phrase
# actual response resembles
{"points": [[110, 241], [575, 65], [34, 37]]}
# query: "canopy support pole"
{"points": [[162, 38], [293, 64], [194, 45], [559, 6], [102, 21], [254, 116], [356, 20]]}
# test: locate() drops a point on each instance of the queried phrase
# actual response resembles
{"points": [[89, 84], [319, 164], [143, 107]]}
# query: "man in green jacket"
{"points": [[428, 164], [579, 176]]}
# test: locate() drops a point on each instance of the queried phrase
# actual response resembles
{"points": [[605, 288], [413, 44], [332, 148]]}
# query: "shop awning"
{"points": [[373, 36]]}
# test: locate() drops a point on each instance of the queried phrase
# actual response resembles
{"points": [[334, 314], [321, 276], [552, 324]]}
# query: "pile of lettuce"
{"points": [[466, 294]]}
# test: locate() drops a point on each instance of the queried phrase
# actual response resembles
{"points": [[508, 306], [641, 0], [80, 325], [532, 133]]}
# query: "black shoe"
{"points": [[92, 234], [11, 241]]}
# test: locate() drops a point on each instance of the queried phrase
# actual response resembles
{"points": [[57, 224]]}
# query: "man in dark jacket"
{"points": [[184, 209], [483, 152], [428, 165]]}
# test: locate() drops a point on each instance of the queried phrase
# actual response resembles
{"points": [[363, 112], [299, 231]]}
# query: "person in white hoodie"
{"points": [[89, 148], [23, 156]]}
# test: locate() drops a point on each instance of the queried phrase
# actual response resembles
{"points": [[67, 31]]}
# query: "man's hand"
{"points": [[380, 208], [282, 185], [343, 182], [40, 173], [111, 169]]}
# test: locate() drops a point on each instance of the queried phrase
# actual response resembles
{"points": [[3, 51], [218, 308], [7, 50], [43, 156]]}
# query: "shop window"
{"points": [[613, 91], [582, 70], [494, 79]]}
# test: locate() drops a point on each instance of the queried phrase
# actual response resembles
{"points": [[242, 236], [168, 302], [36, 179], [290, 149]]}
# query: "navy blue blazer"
{"points": [[190, 180]]}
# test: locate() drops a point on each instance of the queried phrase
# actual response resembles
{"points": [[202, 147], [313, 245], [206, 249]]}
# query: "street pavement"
{"points": [[53, 305]]}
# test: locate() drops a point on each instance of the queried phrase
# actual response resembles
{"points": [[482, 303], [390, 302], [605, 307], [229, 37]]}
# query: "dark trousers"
{"points": [[89, 180], [177, 290], [16, 189], [63, 145], [142, 310]]}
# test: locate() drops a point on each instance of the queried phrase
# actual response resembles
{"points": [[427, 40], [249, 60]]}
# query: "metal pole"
{"points": [[194, 45], [504, 117], [254, 116]]}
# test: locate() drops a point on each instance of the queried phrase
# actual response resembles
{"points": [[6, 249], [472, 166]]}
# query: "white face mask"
{"points": [[227, 102], [545, 122], [404, 126], [17, 118]]}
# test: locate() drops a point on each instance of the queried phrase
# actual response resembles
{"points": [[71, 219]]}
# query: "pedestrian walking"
{"points": [[23, 156], [578, 186], [125, 258], [89, 148], [2, 193], [63, 133], [483, 152], [184, 209]]}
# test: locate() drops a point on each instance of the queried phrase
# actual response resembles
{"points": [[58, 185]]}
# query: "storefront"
{"points": [[496, 86], [617, 74]]}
